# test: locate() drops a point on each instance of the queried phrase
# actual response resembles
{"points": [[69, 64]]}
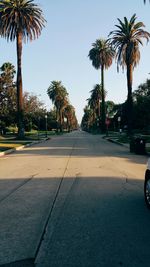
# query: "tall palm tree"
{"points": [[102, 56], [20, 20], [59, 96], [126, 40]]}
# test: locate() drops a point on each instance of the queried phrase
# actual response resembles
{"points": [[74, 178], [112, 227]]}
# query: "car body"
{"points": [[147, 185]]}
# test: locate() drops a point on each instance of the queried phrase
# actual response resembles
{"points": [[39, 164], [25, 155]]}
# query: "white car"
{"points": [[147, 185]]}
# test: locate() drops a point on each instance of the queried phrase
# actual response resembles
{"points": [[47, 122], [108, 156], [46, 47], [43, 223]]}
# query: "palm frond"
{"points": [[126, 41], [20, 16]]}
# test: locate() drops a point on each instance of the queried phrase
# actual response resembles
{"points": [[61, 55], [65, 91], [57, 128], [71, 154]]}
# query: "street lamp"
{"points": [[119, 120], [38, 127], [46, 125]]}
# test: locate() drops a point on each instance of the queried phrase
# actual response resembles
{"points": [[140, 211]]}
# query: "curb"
{"points": [[12, 150], [115, 142]]}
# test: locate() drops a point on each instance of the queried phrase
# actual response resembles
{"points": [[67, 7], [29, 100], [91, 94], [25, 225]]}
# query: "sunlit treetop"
{"points": [[20, 16]]}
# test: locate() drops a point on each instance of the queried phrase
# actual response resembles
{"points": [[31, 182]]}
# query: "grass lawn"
{"points": [[5, 145], [10, 140]]}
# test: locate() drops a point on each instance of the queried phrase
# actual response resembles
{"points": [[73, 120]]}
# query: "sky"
{"points": [[61, 52]]}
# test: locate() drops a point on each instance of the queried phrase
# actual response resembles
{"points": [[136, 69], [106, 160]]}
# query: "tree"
{"points": [[96, 95], [143, 90], [141, 98], [126, 40], [110, 108], [69, 114], [7, 95], [94, 103], [20, 20], [34, 111], [59, 96], [101, 56], [87, 119]]}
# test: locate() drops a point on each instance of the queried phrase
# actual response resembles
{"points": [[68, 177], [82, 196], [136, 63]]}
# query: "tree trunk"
{"points": [[19, 87], [103, 101], [61, 120], [98, 108], [129, 99], [98, 113]]}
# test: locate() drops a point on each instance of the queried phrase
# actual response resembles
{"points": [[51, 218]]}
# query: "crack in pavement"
{"points": [[17, 187]]}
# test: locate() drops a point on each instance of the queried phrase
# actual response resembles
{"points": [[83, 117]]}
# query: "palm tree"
{"points": [[20, 20], [126, 40], [69, 114], [94, 102], [96, 94], [92, 106], [59, 96], [101, 56], [87, 119]]}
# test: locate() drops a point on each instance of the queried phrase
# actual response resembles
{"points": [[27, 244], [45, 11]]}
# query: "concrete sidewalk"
{"points": [[115, 140]]}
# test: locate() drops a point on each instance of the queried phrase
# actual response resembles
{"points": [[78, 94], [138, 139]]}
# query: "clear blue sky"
{"points": [[61, 52]]}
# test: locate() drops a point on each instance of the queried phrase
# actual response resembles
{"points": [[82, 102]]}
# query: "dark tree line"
{"points": [[33, 107]]}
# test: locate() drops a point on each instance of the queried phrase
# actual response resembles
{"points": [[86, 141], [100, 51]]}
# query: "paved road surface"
{"points": [[73, 201]]}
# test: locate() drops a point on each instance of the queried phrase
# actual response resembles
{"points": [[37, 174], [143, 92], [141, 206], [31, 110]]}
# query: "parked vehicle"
{"points": [[147, 185]]}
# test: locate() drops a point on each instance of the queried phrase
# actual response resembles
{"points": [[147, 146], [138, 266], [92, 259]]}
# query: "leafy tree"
{"points": [[101, 56], [126, 40], [143, 90], [7, 95], [34, 111], [51, 119], [110, 108], [20, 20], [141, 98]]}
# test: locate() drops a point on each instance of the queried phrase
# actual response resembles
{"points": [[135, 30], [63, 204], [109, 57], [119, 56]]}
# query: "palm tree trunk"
{"points": [[60, 119], [57, 118], [98, 113], [103, 101], [19, 87], [98, 105], [129, 99]]}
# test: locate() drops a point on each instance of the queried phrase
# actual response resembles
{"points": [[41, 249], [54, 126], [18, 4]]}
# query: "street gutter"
{"points": [[115, 141]]}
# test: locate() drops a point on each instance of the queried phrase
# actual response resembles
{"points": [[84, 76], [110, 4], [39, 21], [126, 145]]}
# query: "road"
{"points": [[75, 200]]}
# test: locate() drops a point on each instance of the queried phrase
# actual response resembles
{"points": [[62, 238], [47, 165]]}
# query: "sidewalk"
{"points": [[115, 140]]}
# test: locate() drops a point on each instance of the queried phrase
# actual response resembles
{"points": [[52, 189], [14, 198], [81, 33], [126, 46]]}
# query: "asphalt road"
{"points": [[73, 201]]}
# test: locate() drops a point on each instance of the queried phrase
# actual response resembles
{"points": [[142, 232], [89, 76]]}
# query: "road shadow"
{"points": [[96, 214]]}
